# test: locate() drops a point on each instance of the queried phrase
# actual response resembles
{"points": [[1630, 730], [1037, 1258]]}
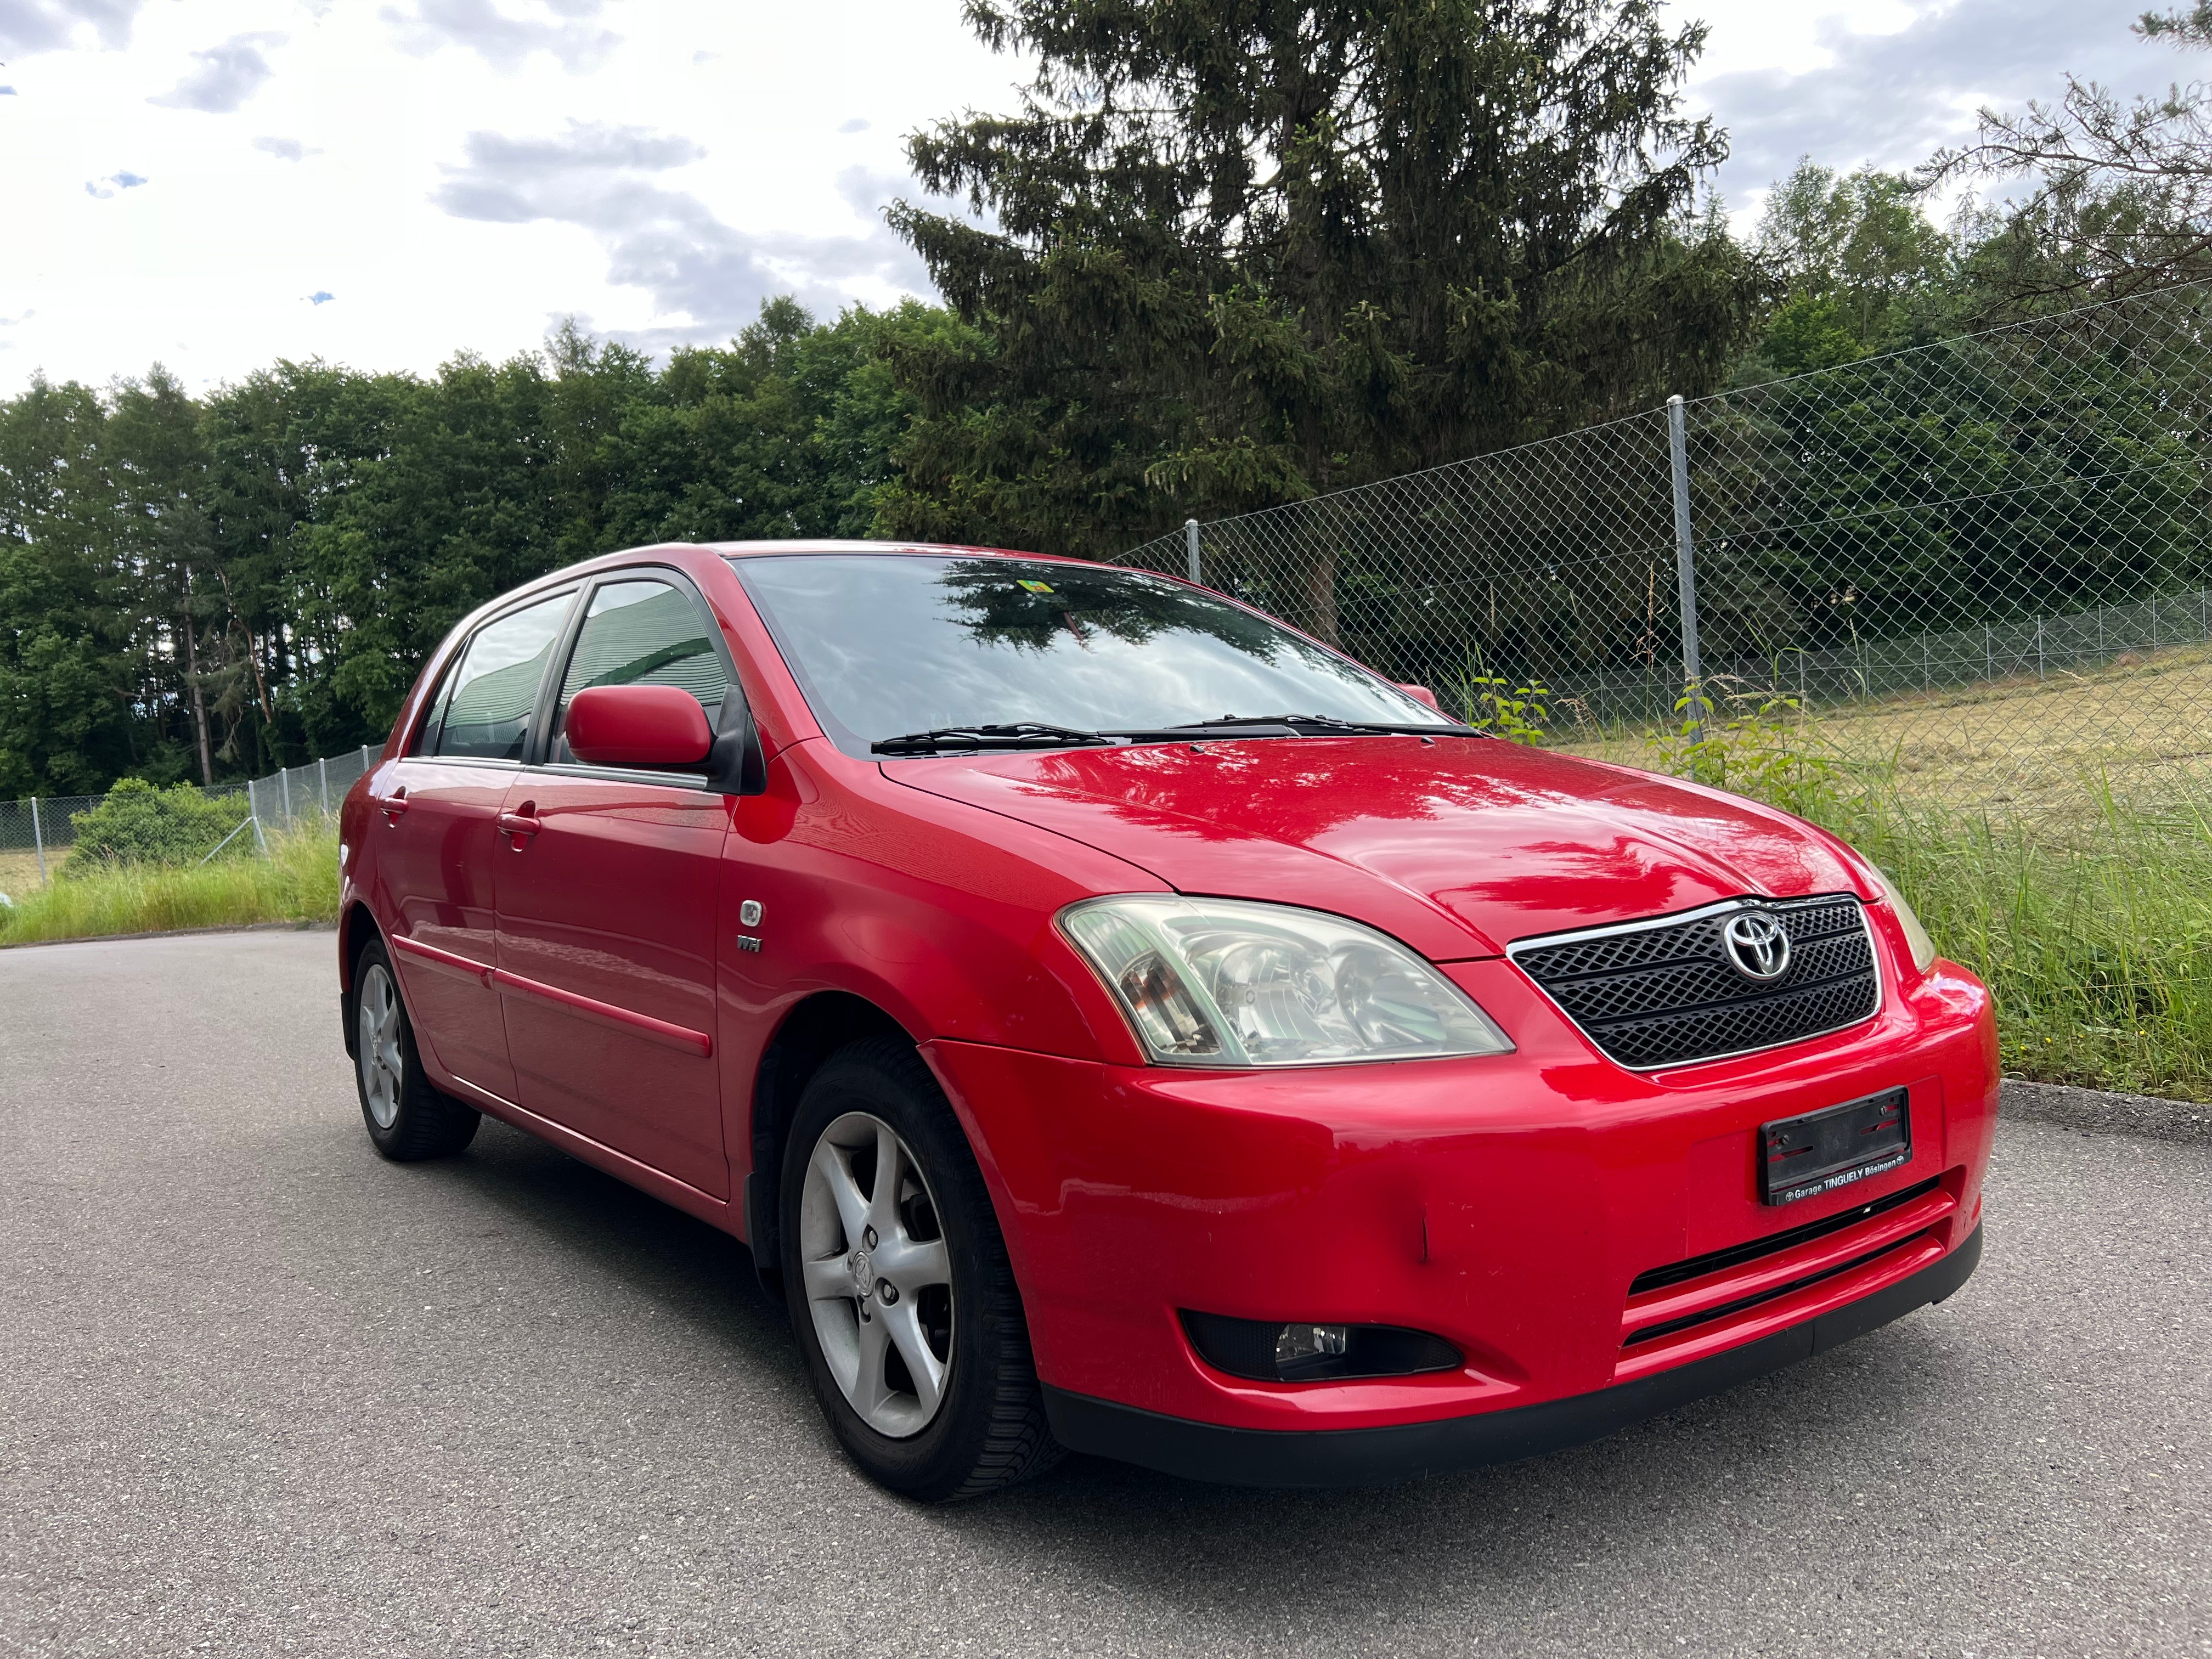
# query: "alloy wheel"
{"points": [[877, 1276], [382, 1066]]}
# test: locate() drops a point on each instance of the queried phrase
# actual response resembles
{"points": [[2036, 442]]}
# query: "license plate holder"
{"points": [[1816, 1152]]}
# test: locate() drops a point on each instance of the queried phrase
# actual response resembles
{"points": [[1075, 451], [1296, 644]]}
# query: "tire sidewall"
{"points": [[413, 1085], [937, 1460]]}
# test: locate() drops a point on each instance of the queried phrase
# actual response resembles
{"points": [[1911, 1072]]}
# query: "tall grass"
{"points": [[2097, 940], [297, 882], [2091, 920]]}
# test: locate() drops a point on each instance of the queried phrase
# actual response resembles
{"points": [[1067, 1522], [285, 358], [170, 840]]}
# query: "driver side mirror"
{"points": [[1419, 694], [645, 726]]}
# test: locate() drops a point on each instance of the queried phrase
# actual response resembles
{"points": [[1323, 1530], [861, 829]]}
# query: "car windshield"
{"points": [[887, 644]]}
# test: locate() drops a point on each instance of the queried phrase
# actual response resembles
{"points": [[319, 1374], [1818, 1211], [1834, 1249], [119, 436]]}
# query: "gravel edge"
{"points": [[2095, 1111]]}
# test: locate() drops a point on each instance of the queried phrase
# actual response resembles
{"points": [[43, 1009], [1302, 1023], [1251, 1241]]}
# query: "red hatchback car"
{"points": [[1117, 1022]]}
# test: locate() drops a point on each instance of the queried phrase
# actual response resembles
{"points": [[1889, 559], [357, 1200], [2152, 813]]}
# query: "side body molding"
{"points": [[681, 1038]]}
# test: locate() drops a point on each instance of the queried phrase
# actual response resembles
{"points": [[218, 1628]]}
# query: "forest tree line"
{"points": [[1226, 257]]}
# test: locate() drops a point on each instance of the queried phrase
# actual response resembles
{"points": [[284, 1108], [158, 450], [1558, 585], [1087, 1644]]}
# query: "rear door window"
{"points": [[646, 633], [494, 692]]}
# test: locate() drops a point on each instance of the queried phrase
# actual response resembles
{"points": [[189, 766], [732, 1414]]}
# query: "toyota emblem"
{"points": [[1758, 945]]}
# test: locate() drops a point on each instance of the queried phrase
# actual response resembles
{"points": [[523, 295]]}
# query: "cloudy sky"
{"points": [[215, 184]]}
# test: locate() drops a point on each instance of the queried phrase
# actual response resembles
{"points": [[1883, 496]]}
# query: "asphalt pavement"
{"points": [[261, 1392]]}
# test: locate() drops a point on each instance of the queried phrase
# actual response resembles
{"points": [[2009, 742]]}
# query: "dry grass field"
{"points": [[2022, 750], [19, 871]]}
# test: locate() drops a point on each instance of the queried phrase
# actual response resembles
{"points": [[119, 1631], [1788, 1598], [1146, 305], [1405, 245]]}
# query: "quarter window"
{"points": [[646, 633], [494, 692]]}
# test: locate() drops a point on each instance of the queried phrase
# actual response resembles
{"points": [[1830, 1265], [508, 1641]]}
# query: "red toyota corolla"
{"points": [[1118, 1022]]}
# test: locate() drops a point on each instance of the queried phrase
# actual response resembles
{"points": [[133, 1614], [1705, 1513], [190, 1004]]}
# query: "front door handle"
{"points": [[521, 823], [392, 805]]}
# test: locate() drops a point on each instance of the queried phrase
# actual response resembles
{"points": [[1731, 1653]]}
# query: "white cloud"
{"points": [[1888, 81], [706, 277], [564, 29], [226, 76], [284, 150], [32, 26]]}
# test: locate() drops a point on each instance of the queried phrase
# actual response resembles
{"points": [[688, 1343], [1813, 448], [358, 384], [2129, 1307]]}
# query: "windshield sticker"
{"points": [[1034, 588]]}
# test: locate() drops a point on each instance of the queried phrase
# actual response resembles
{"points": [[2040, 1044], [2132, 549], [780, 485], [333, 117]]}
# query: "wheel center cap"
{"points": [[864, 1272]]}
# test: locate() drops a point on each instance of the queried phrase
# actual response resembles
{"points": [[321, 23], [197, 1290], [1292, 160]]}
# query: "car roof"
{"points": [[755, 550], [600, 564]]}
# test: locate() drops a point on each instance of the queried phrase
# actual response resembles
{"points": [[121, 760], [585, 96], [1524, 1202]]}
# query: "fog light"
{"points": [[1301, 1351], [1295, 1343]]}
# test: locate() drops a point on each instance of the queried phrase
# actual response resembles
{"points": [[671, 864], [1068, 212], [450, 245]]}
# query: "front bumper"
{"points": [[1382, 1456], [1509, 1204]]}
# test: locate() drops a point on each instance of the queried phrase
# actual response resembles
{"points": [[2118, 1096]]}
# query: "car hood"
{"points": [[1457, 845]]}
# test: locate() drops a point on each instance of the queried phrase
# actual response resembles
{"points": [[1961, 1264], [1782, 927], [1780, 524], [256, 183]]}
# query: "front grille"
{"points": [[1664, 992], [1738, 1256], [1772, 1293]]}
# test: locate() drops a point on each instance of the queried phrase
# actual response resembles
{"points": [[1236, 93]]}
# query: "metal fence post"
{"points": [[2039, 673], [1686, 565], [323, 782], [39, 841], [1190, 545], [284, 789]]}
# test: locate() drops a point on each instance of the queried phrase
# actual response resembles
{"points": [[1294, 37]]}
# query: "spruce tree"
{"points": [[1228, 254]]}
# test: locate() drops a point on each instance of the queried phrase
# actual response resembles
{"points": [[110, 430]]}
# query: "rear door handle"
{"points": [[521, 823]]}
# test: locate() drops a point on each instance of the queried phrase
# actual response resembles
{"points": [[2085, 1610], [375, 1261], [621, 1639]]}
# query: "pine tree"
{"points": [[1228, 253]]}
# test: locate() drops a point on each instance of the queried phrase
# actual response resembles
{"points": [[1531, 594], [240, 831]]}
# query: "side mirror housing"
{"points": [[1420, 694], [646, 726]]}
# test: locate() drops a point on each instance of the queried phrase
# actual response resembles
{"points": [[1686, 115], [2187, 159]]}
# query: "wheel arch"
{"points": [[356, 927], [813, 1030]]}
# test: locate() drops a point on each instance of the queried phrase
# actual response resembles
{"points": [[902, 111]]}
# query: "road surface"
{"points": [[261, 1392]]}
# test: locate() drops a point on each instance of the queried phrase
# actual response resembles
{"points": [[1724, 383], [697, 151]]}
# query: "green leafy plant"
{"points": [[1520, 713], [1764, 746], [138, 823]]}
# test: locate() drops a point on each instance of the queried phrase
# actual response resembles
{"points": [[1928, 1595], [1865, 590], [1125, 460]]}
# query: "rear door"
{"points": [[438, 823], [607, 899]]}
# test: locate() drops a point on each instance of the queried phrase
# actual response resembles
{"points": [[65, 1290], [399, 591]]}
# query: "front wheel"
{"points": [[899, 1287], [407, 1118]]}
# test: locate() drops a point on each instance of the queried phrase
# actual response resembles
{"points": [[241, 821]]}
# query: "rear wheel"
{"points": [[408, 1119], [899, 1287]]}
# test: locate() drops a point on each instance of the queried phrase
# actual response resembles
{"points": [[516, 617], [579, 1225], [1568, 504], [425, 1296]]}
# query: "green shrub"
{"points": [[1761, 746], [138, 823]]}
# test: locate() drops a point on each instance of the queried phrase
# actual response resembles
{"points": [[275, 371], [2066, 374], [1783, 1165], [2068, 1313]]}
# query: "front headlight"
{"points": [[1224, 982], [1916, 936]]}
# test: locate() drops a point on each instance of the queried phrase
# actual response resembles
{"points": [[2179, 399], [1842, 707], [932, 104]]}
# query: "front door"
{"points": [[436, 812], [608, 885]]}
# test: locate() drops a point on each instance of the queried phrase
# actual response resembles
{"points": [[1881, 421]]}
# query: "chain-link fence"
{"points": [[1978, 565], [37, 834]]}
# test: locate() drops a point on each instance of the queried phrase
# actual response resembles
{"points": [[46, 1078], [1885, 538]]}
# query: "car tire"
{"points": [[408, 1119], [986, 1429]]}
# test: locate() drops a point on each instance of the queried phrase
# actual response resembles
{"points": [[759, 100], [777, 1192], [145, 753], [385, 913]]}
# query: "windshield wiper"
{"points": [[1328, 723], [1021, 734]]}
